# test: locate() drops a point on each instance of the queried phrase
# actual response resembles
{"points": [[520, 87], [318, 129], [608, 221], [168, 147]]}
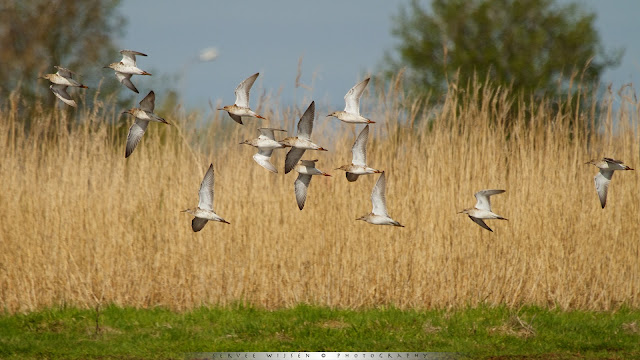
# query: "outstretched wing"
{"points": [[236, 118], [129, 57], [301, 186], [60, 91], [149, 102], [198, 223], [262, 157], [480, 222], [64, 72], [484, 203], [206, 190], [378, 197], [269, 132], [136, 131], [351, 177], [125, 79], [602, 180], [293, 156], [359, 149], [242, 91], [305, 125], [352, 98]]}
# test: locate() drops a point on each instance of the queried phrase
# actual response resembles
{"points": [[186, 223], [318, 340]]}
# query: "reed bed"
{"points": [[83, 226]]}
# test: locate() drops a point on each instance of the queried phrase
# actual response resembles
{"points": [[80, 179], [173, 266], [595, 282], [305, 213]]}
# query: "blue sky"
{"points": [[338, 40]]}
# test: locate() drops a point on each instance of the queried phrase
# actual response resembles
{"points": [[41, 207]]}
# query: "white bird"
{"points": [[306, 169], [62, 79], [351, 113], [241, 106], [302, 142], [482, 210], [602, 179], [379, 214], [143, 115], [358, 165], [127, 67], [204, 212], [265, 143]]}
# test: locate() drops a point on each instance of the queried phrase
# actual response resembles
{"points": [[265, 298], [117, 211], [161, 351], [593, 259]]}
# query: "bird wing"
{"points": [[61, 93], [602, 180], [268, 132], [129, 57], [236, 118], [352, 98], [351, 177], [301, 185], [125, 79], [149, 102], [484, 203], [136, 131], [262, 158], [206, 190], [616, 164], [359, 149], [305, 125], [480, 222], [198, 223], [64, 72], [378, 197], [293, 156], [242, 91], [309, 163]]}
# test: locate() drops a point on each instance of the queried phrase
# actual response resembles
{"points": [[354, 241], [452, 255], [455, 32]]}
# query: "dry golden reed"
{"points": [[81, 225]]}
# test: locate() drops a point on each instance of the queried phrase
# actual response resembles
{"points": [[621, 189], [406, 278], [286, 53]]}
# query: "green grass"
{"points": [[485, 332]]}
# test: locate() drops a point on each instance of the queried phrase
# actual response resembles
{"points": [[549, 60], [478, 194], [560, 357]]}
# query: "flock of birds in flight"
{"points": [[266, 143]]}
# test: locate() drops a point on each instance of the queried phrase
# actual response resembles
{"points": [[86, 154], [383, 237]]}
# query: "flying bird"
{"points": [[351, 113], [241, 106], [379, 214], [62, 79], [306, 169], [302, 142], [204, 212], [143, 115], [358, 164], [265, 143], [482, 210], [127, 67], [602, 179]]}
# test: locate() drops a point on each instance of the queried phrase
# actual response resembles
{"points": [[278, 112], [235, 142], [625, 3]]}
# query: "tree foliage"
{"points": [[35, 35], [533, 46]]}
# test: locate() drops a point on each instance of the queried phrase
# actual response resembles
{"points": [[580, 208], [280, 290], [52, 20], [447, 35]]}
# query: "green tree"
{"points": [[532, 45], [35, 35]]}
